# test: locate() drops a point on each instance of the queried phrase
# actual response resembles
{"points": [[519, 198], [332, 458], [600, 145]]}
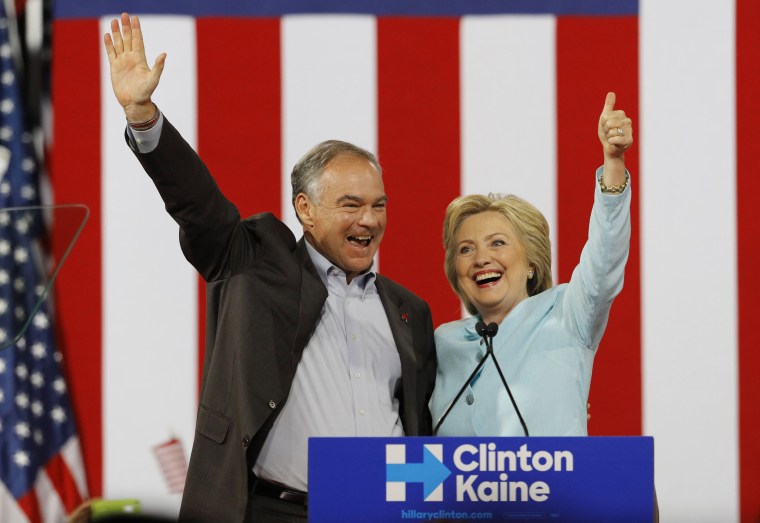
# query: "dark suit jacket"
{"points": [[264, 298]]}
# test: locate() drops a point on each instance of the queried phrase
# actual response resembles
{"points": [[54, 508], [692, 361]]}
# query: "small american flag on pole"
{"points": [[171, 459]]}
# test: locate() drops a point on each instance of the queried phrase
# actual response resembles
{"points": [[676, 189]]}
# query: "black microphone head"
{"points": [[480, 328], [491, 330]]}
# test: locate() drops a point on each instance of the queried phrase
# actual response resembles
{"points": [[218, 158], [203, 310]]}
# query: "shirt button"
{"points": [[470, 399], [272, 404], [358, 375], [361, 411], [353, 337], [246, 441]]}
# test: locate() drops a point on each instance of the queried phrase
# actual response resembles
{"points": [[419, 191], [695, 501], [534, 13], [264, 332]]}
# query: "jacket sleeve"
{"points": [[598, 277], [212, 236]]}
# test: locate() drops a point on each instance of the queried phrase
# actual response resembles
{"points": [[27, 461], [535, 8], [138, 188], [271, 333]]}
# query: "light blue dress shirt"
{"points": [[545, 346]]}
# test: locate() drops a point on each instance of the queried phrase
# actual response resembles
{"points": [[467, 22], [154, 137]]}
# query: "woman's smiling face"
{"points": [[492, 270]]}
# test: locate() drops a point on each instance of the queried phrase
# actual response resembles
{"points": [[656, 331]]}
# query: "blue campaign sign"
{"points": [[567, 480]]}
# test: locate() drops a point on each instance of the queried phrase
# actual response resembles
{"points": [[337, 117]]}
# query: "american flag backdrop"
{"points": [[455, 97], [41, 468]]}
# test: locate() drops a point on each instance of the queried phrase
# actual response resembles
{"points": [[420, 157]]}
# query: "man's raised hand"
{"points": [[132, 80]]}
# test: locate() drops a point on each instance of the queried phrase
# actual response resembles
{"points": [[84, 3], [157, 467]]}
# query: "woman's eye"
{"points": [[465, 250], [498, 243]]}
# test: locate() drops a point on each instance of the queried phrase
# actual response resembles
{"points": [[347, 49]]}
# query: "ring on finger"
{"points": [[620, 131]]}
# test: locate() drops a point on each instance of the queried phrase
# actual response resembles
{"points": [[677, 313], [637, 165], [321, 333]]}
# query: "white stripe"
{"points": [[509, 110], [10, 512], [329, 88], [72, 456], [689, 256], [150, 291], [51, 507]]}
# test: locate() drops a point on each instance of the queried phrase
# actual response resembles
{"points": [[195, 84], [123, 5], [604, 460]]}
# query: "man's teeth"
{"points": [[362, 239], [487, 276]]}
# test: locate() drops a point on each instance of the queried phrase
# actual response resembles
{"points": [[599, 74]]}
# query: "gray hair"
{"points": [[307, 172]]}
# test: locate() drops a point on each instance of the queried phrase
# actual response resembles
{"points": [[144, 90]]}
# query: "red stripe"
{"points": [[239, 130], [63, 482], [418, 144], [748, 253], [30, 505], [594, 56], [75, 175]]}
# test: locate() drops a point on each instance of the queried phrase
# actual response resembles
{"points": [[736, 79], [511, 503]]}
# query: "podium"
{"points": [[555, 479]]}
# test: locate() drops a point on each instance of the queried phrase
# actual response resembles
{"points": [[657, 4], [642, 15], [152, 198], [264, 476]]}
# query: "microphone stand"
{"points": [[488, 333], [461, 391]]}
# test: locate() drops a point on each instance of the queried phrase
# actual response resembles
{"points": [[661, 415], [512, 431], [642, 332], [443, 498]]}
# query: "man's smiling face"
{"points": [[347, 222]]}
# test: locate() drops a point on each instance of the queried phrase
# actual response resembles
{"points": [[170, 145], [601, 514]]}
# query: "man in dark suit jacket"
{"points": [[303, 338]]}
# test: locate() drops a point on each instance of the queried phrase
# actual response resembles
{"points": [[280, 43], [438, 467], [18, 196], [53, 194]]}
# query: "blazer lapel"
{"points": [[313, 296], [400, 319]]}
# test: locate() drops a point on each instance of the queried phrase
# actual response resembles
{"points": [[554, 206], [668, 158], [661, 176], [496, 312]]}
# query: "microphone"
{"points": [[487, 332]]}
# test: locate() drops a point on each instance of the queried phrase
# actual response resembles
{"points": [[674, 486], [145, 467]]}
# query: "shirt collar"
{"points": [[365, 279]]}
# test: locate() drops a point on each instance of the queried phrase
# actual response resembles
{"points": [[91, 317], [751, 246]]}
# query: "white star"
{"points": [[38, 437], [27, 191], [4, 278], [3, 335], [59, 385], [5, 188], [5, 51], [27, 164], [22, 226], [7, 78], [21, 343], [22, 430], [41, 320], [19, 284], [22, 400], [20, 313], [39, 290], [5, 218], [37, 409], [2, 366], [3, 306], [22, 372], [5, 246], [20, 255], [57, 356], [6, 106], [21, 459], [6, 133], [37, 379], [58, 414], [39, 350], [2, 396]]}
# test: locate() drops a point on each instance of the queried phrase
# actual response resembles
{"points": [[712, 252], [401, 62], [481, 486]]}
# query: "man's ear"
{"points": [[305, 210]]}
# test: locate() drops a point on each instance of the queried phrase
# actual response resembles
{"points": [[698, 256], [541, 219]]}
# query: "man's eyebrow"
{"points": [[348, 198], [357, 199]]}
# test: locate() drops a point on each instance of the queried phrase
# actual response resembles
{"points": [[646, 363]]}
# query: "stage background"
{"points": [[455, 97]]}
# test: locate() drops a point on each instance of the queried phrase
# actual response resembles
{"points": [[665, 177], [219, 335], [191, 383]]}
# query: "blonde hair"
{"points": [[532, 233]]}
